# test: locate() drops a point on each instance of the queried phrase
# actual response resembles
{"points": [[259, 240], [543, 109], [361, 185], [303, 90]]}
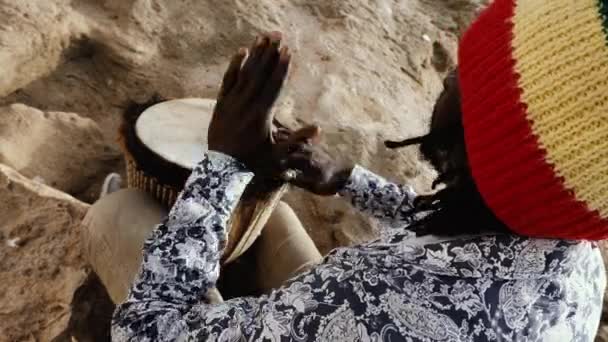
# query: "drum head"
{"points": [[177, 130]]}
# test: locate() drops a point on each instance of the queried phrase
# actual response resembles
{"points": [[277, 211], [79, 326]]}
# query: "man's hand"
{"points": [[315, 170], [242, 120]]}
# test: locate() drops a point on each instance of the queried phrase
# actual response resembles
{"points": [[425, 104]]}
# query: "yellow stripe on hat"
{"points": [[561, 54]]}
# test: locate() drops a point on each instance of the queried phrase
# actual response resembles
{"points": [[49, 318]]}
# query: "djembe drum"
{"points": [[164, 140]]}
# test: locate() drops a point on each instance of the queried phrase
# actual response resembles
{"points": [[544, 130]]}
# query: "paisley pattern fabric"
{"points": [[398, 288]]}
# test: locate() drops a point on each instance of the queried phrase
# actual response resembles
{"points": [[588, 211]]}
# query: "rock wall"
{"points": [[60, 149], [365, 70], [41, 261]]}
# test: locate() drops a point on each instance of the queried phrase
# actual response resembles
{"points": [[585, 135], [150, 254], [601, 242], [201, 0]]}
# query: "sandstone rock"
{"points": [[44, 264], [33, 37], [59, 149]]}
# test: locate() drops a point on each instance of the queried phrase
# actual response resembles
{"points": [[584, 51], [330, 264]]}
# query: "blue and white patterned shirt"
{"points": [[400, 288]]}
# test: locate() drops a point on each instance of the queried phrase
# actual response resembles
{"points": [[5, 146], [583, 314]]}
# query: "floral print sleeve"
{"points": [[389, 203], [182, 257], [479, 288]]}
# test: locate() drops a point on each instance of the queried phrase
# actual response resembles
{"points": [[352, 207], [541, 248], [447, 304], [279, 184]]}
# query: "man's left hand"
{"points": [[242, 120]]}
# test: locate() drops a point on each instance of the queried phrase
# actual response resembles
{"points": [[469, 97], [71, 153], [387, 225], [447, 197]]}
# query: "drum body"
{"points": [[163, 141]]}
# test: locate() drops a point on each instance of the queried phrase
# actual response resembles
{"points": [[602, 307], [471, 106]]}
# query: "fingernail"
{"points": [[258, 41]]}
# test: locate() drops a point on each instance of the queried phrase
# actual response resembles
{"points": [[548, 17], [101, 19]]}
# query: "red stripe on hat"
{"points": [[508, 165]]}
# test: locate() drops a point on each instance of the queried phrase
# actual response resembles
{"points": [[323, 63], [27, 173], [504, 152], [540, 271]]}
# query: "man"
{"points": [[519, 138]]}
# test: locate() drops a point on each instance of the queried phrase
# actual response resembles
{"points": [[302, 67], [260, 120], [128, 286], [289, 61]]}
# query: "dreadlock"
{"points": [[457, 208]]}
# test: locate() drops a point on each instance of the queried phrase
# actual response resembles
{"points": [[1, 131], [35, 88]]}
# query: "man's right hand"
{"points": [[316, 170]]}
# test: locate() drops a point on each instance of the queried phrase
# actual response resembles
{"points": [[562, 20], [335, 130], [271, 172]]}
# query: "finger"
{"points": [[280, 132], [302, 181], [266, 62], [283, 131], [297, 142], [232, 73], [278, 124], [272, 53], [263, 101], [298, 150], [285, 151], [301, 161], [257, 49], [281, 135], [273, 87], [309, 134]]}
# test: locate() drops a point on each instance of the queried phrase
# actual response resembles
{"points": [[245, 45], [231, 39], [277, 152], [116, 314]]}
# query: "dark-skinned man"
{"points": [[503, 252]]}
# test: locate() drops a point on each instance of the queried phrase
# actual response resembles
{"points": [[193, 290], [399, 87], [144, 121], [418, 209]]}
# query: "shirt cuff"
{"points": [[358, 179], [218, 182]]}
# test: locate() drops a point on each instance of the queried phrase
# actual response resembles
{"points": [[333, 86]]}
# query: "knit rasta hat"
{"points": [[534, 84]]}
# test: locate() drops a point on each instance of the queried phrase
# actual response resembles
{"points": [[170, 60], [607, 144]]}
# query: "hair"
{"points": [[458, 208]]}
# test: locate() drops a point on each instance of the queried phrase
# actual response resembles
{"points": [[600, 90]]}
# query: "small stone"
{"points": [[13, 243]]}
